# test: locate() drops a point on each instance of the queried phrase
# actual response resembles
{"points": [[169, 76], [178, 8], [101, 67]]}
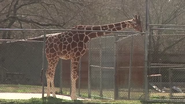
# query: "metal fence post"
{"points": [[146, 53], [61, 76], [89, 72], [101, 87], [170, 81], [70, 78], [130, 66], [115, 68], [43, 64]]}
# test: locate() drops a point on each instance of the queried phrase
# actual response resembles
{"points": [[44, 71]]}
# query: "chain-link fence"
{"points": [[116, 65], [111, 69], [164, 52], [166, 62], [20, 61]]}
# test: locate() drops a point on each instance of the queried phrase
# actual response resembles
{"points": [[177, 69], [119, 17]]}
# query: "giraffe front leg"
{"points": [[48, 87], [73, 89], [74, 77], [53, 88]]}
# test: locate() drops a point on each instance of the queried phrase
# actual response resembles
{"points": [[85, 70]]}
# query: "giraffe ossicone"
{"points": [[72, 45]]}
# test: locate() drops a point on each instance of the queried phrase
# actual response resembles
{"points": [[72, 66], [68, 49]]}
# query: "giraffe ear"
{"points": [[138, 17], [135, 17]]}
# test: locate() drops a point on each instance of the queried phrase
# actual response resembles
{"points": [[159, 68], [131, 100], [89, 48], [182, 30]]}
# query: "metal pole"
{"points": [[101, 89], [79, 79], [70, 77], [21, 29], [61, 76], [115, 68], [146, 52], [89, 72], [130, 66], [43, 64], [170, 80]]}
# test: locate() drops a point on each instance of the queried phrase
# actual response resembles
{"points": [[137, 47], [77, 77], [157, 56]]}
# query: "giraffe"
{"points": [[72, 45]]}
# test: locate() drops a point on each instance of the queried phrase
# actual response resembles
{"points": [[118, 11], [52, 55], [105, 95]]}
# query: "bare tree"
{"points": [[165, 12], [45, 14]]}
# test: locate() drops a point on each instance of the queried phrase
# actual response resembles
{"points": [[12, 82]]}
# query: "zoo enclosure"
{"points": [[157, 65], [102, 73]]}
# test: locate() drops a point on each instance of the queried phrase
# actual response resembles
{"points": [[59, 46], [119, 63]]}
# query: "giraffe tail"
{"points": [[41, 75]]}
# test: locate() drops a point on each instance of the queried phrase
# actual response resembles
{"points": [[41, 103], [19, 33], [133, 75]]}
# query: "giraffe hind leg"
{"points": [[50, 74]]}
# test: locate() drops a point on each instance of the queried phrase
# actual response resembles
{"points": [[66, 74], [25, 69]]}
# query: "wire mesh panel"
{"points": [[102, 63], [115, 62], [117, 67], [20, 63], [130, 64], [19, 59], [164, 58], [166, 73]]}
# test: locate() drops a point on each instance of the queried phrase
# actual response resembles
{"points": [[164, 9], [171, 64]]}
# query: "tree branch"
{"points": [[173, 44], [40, 24]]}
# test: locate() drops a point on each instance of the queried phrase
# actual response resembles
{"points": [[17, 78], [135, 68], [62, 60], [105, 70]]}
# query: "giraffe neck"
{"points": [[105, 28]]}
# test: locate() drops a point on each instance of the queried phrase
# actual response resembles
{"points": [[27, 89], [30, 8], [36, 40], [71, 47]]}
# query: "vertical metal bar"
{"points": [[43, 64], [60, 62], [2, 75], [115, 68], [160, 79], [79, 79], [101, 89], [89, 71], [70, 77], [170, 80], [146, 52], [130, 66]]}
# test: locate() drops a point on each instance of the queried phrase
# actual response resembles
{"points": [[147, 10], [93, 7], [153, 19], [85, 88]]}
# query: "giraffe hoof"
{"points": [[54, 96]]}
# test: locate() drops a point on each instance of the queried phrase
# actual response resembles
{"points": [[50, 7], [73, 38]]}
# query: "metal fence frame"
{"points": [[152, 27], [116, 40], [149, 28], [89, 74]]}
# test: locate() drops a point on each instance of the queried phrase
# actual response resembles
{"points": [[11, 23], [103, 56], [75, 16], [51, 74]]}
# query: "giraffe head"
{"points": [[135, 23]]}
